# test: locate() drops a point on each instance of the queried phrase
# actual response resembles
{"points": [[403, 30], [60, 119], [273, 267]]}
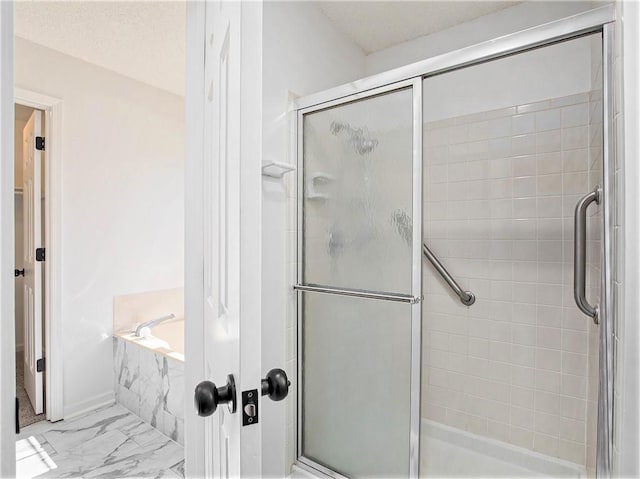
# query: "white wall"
{"points": [[510, 20], [303, 53], [121, 200]]}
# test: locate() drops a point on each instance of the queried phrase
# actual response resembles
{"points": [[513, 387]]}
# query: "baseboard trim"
{"points": [[96, 402]]}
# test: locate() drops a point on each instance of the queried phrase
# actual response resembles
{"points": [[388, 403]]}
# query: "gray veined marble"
{"points": [[109, 442], [150, 385]]}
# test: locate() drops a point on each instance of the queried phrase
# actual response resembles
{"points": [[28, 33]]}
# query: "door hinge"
{"points": [[40, 365], [40, 254], [40, 143], [17, 416]]}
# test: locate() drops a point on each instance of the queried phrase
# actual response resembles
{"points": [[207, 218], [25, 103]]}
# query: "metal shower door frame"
{"points": [[599, 20], [414, 299]]}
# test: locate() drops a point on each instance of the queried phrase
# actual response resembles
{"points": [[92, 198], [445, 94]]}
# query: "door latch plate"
{"points": [[249, 407]]}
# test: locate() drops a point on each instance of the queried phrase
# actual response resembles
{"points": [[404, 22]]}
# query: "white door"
{"points": [[223, 245], [32, 177]]}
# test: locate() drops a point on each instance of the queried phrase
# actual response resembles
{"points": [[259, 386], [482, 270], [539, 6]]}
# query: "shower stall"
{"points": [[455, 261]]}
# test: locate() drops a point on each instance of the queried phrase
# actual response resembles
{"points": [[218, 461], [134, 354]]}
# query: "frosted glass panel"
{"points": [[356, 387], [358, 194]]}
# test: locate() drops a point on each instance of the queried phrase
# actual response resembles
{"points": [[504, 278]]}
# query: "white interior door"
{"points": [[230, 234], [32, 177]]}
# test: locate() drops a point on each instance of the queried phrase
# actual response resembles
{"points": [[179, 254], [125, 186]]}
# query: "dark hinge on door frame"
{"points": [[40, 365], [40, 143], [17, 416], [40, 254]]}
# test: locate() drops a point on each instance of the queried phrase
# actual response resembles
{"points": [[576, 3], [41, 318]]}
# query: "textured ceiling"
{"points": [[376, 25], [144, 40]]}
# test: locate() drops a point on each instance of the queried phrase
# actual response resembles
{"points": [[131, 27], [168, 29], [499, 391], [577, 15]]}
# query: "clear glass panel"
{"points": [[510, 147], [356, 385], [358, 194]]}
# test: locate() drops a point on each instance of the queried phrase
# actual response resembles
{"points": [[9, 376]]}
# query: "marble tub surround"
{"points": [[150, 384], [108, 442]]}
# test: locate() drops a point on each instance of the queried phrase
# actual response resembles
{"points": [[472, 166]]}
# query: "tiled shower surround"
{"points": [[500, 192], [151, 385]]}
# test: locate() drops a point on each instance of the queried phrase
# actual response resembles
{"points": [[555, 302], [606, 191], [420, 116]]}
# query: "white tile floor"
{"points": [[108, 442]]}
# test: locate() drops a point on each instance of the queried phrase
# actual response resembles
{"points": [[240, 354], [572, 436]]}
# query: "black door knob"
{"points": [[18, 272], [208, 396], [276, 385]]}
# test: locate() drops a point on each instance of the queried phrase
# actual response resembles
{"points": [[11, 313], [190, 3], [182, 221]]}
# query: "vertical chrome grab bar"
{"points": [[466, 297], [580, 253]]}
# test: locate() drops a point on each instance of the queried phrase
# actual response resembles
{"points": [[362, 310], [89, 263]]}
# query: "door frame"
{"points": [[52, 312], [599, 20]]}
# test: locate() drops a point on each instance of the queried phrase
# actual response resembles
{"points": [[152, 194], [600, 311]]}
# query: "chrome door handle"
{"points": [[208, 396], [580, 253]]}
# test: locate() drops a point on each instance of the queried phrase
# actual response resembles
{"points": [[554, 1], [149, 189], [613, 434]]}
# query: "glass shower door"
{"points": [[360, 283]]}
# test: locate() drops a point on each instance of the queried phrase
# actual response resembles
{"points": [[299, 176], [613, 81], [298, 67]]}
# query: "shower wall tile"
{"points": [[517, 365]]}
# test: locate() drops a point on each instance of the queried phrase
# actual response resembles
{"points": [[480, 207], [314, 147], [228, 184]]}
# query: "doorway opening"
{"points": [[29, 204]]}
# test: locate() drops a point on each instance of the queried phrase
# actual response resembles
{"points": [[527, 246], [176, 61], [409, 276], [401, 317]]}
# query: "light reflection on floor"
{"points": [[32, 459]]}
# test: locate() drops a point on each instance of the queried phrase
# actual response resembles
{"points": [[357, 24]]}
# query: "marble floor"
{"points": [[110, 442]]}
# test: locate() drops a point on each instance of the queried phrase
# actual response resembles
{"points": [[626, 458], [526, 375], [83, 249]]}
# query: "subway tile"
{"points": [[577, 137], [524, 313], [575, 183], [523, 334], [498, 430], [549, 207], [550, 272], [524, 186], [574, 363], [549, 338], [549, 228], [575, 341], [548, 402], [522, 396], [549, 163], [548, 381], [575, 386], [571, 451], [524, 293], [523, 355], [499, 148], [549, 316], [499, 127], [523, 124], [522, 376], [548, 120], [550, 359], [526, 272], [545, 444], [498, 371], [478, 131], [521, 437], [572, 408], [523, 145], [548, 141], [521, 417], [523, 165], [575, 115], [549, 185], [571, 430], [547, 424], [575, 160]]}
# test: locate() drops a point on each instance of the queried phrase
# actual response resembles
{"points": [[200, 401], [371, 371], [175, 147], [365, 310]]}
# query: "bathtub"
{"points": [[149, 376]]}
